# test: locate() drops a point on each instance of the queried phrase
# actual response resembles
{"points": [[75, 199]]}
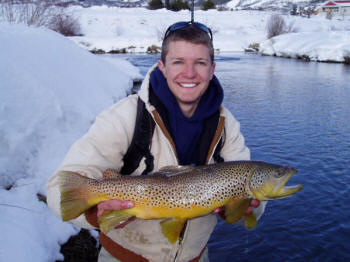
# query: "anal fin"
{"points": [[172, 228]]}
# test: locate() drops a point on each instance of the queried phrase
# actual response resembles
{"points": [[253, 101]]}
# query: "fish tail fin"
{"points": [[76, 195]]}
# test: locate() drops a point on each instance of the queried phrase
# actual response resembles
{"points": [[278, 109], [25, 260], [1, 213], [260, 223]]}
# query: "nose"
{"points": [[189, 71]]}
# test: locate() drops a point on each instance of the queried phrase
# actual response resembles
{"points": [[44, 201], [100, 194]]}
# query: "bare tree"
{"points": [[40, 13], [30, 12], [277, 26]]}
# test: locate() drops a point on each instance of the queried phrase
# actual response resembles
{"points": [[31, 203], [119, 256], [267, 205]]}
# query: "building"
{"points": [[336, 8]]}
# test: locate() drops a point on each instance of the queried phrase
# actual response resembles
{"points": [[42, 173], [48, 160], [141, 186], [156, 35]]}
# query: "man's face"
{"points": [[188, 70]]}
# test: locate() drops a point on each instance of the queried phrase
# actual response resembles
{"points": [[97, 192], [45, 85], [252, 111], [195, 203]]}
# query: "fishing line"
{"points": [[27, 209]]}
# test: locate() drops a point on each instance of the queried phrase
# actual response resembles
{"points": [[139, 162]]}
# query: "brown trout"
{"points": [[178, 193]]}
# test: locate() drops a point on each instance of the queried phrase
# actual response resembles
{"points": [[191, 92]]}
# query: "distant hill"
{"points": [[235, 4], [267, 4]]}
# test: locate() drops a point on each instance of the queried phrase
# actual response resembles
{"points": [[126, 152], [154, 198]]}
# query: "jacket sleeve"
{"points": [[102, 147], [234, 149]]}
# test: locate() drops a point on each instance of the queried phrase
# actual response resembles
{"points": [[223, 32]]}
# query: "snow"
{"points": [[51, 90], [315, 47], [135, 29]]}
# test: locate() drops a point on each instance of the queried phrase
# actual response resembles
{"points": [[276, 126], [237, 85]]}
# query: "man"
{"points": [[192, 127]]}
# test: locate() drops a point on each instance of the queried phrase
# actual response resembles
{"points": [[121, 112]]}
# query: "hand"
{"points": [[115, 205], [254, 203]]}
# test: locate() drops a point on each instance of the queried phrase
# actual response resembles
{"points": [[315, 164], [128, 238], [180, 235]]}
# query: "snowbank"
{"points": [[49, 88], [314, 46], [50, 92]]}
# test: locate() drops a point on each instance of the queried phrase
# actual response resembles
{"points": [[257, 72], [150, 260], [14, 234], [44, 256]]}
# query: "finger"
{"points": [[249, 210], [218, 210], [254, 203], [113, 205]]}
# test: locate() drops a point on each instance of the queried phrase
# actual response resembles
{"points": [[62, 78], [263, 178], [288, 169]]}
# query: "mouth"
{"points": [[188, 85], [281, 190], [277, 189]]}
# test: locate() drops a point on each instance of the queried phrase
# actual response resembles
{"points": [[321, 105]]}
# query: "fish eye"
{"points": [[279, 172]]}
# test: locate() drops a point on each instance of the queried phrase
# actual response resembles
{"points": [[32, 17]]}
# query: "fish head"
{"points": [[268, 182]]}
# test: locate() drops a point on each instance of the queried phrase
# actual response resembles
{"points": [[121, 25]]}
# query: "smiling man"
{"points": [[188, 69], [183, 99]]}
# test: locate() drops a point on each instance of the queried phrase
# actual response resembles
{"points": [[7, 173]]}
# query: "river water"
{"points": [[291, 113]]}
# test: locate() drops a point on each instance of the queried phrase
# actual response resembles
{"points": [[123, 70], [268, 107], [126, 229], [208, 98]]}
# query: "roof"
{"points": [[337, 3]]}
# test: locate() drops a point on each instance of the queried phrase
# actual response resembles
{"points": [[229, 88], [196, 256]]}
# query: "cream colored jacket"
{"points": [[104, 146]]}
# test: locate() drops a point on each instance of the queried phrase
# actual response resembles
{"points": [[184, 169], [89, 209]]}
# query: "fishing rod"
{"points": [[192, 12]]}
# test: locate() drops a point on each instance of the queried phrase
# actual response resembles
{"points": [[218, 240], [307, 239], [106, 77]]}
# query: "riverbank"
{"points": [[139, 30], [316, 46]]}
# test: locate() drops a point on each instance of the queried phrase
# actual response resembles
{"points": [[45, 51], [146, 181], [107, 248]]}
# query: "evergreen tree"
{"points": [[208, 4], [178, 5], [167, 4], [155, 4]]}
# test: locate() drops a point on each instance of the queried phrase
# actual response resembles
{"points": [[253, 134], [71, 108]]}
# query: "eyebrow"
{"points": [[197, 59]]}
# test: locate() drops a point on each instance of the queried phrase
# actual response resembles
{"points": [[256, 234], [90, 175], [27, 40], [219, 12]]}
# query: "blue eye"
{"points": [[178, 62]]}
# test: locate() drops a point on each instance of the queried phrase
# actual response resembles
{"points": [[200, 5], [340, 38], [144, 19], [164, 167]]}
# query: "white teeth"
{"points": [[187, 85]]}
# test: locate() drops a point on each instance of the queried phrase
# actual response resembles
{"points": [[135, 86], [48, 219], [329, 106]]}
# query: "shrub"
{"points": [[155, 4], [153, 49], [277, 26], [66, 24], [208, 4], [347, 59]]}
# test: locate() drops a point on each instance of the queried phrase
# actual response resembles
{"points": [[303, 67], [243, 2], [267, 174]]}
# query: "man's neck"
{"points": [[188, 109]]}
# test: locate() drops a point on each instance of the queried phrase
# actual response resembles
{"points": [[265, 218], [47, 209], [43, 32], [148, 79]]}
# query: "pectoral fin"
{"points": [[113, 218], [172, 228], [235, 209], [250, 221]]}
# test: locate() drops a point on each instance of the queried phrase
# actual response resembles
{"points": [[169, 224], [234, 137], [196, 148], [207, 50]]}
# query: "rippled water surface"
{"points": [[291, 113]]}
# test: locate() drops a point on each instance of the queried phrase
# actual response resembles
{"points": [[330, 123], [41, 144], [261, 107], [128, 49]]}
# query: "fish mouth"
{"points": [[277, 189]]}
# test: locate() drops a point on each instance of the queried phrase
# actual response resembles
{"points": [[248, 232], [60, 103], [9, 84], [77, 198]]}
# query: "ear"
{"points": [[212, 70], [161, 67]]}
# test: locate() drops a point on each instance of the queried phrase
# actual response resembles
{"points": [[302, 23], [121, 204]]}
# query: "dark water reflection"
{"points": [[293, 113]]}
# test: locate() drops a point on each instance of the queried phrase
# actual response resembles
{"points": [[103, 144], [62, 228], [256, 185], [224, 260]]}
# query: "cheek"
{"points": [[205, 74], [174, 74]]}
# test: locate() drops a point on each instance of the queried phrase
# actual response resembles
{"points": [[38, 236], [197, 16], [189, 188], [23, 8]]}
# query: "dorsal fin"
{"points": [[110, 173], [175, 170]]}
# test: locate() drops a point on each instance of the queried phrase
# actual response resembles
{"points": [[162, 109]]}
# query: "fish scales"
{"points": [[202, 186]]}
